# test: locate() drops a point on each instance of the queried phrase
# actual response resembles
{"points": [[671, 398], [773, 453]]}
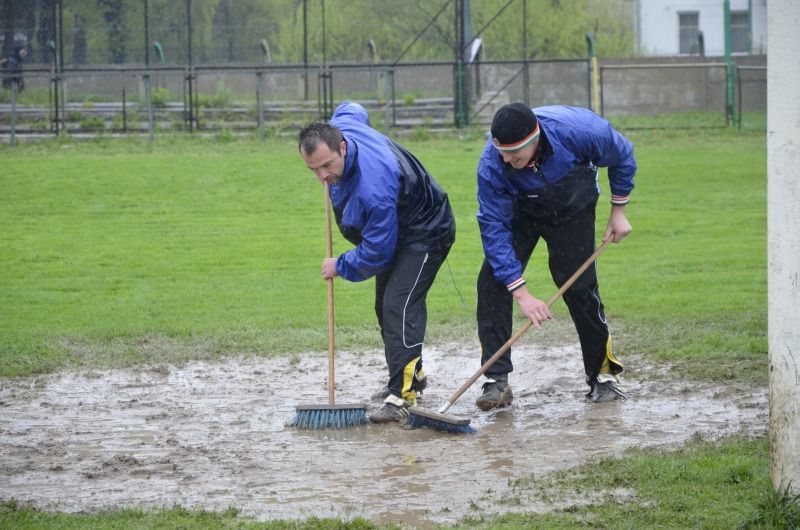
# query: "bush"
{"points": [[221, 98], [160, 97], [225, 135], [93, 123]]}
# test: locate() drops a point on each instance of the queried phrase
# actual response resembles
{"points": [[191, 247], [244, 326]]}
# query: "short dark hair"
{"points": [[318, 132], [512, 123]]}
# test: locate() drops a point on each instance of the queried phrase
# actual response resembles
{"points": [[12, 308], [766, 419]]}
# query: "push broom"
{"points": [[332, 415], [445, 422]]}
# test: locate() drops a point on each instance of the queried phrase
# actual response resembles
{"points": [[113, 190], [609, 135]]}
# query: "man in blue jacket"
{"points": [[399, 219], [537, 179]]}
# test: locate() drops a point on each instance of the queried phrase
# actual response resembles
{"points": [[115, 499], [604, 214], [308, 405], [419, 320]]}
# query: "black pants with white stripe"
{"points": [[400, 294], [570, 242]]}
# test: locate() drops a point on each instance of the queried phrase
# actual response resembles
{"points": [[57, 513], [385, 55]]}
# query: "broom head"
{"points": [[330, 416], [418, 417]]}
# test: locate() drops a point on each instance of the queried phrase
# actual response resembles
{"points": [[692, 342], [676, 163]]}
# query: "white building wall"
{"points": [[759, 22], [658, 31]]}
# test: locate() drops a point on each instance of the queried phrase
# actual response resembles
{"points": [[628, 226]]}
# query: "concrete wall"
{"points": [[564, 82], [677, 84]]}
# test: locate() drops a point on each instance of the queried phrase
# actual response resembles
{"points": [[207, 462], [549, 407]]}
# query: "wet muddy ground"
{"points": [[213, 436]]}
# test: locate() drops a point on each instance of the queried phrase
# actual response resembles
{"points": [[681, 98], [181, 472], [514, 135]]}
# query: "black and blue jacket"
{"points": [[570, 138], [385, 201]]}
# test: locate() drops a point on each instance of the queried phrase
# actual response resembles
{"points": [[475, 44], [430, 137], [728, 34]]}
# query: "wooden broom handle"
{"points": [[528, 324], [329, 254]]}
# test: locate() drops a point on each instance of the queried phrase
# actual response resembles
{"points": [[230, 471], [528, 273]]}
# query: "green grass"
{"points": [[681, 121], [695, 265], [210, 248], [117, 253], [13, 515], [704, 485]]}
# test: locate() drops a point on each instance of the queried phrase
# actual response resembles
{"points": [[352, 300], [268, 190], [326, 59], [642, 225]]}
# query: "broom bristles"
{"points": [[329, 418], [440, 422]]}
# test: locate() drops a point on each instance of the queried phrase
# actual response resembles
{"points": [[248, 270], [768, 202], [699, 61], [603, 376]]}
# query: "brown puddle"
{"points": [[213, 436]]}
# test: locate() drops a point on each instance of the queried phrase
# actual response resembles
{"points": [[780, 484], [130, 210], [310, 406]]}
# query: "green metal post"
{"points": [[260, 104], [459, 64], [526, 74], [594, 85], [149, 97], [13, 113], [730, 74], [146, 35]]}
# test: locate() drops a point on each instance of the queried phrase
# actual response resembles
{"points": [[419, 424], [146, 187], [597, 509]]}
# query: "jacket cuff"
{"points": [[516, 284], [619, 200]]}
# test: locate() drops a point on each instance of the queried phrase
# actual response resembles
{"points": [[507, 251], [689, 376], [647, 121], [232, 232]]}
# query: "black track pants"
{"points": [[569, 242], [400, 295]]}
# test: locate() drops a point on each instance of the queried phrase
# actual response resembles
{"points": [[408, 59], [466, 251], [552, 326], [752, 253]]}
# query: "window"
{"points": [[740, 41], [689, 30]]}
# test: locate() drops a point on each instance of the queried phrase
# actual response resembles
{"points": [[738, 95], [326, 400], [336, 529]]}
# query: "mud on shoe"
{"points": [[495, 394], [605, 390], [393, 409]]}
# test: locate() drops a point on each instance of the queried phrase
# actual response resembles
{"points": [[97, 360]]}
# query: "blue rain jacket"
{"points": [[385, 201], [570, 137]]}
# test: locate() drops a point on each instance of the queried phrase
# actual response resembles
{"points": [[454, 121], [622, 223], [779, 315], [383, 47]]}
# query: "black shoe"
{"points": [[389, 412], [495, 394], [383, 393], [605, 390]]}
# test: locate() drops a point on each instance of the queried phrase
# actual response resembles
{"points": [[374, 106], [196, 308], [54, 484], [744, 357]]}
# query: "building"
{"points": [[697, 27]]}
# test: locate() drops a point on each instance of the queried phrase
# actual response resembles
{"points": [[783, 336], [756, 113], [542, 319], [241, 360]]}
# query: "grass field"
{"points": [[114, 252], [118, 253]]}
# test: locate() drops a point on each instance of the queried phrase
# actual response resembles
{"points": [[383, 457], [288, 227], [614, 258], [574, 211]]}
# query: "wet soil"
{"points": [[213, 435]]}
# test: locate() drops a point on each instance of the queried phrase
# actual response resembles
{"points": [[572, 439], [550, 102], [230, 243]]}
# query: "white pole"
{"points": [[783, 234]]}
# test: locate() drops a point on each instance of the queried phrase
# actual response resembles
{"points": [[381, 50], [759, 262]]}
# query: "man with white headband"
{"points": [[537, 179]]}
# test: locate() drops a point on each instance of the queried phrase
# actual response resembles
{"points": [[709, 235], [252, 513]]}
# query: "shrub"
{"points": [[93, 123], [160, 97]]}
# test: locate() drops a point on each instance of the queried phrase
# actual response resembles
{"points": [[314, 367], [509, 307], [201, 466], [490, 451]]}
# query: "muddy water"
{"points": [[213, 436]]}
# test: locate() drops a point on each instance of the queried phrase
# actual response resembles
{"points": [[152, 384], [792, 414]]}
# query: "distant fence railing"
{"points": [[649, 89], [751, 90], [275, 98]]}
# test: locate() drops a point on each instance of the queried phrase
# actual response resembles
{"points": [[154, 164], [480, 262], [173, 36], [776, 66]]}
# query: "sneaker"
{"points": [[605, 390], [389, 412], [495, 394], [383, 393]]}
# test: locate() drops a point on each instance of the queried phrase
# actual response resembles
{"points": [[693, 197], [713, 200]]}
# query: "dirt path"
{"points": [[213, 436]]}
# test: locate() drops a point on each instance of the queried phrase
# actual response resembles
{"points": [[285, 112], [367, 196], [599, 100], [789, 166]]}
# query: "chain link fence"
{"points": [[154, 66]]}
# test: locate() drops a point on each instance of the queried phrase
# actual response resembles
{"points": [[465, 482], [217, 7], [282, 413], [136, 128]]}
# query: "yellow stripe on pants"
{"points": [[609, 358], [408, 379]]}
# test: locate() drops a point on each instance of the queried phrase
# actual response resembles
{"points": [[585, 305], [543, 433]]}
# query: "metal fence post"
{"points": [[149, 98], [260, 98], [600, 89], [13, 113], [56, 102], [394, 98], [729, 68], [526, 75], [739, 96]]}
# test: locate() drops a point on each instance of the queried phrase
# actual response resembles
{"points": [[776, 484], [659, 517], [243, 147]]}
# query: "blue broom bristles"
{"points": [[415, 421], [329, 418]]}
